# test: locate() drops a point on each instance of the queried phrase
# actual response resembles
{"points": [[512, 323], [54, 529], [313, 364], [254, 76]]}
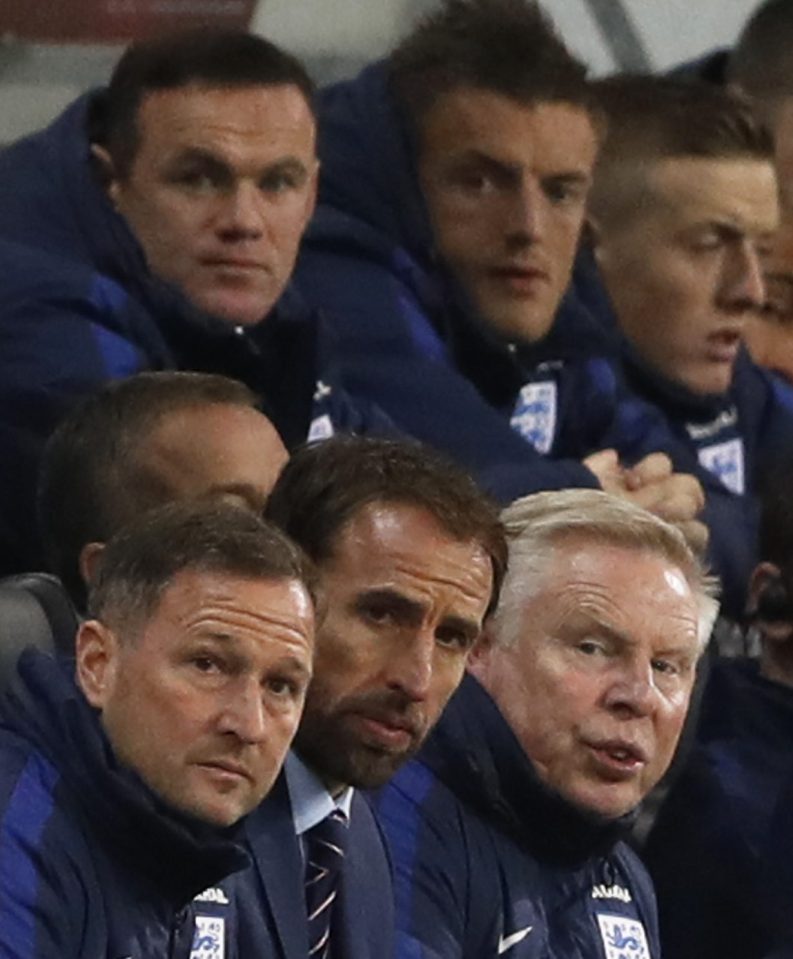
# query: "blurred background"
{"points": [[51, 50]]}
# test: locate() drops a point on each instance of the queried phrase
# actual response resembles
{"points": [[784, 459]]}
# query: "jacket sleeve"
{"points": [[636, 428], [391, 356], [55, 345], [43, 903], [431, 871]]}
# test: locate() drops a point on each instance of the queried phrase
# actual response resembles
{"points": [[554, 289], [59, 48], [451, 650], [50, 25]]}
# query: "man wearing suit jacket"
{"points": [[410, 559]]}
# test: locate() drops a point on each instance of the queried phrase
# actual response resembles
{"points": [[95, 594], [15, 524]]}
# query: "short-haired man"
{"points": [[761, 65], [154, 225], [718, 849], [119, 786], [505, 830], [683, 202], [410, 557], [452, 194], [142, 442]]}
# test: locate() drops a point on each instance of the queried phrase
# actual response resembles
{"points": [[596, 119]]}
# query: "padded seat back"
{"points": [[34, 611]]}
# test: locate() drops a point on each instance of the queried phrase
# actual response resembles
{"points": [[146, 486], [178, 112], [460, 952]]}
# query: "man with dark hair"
{"points": [[719, 852], [410, 557], [506, 829], [142, 442], [154, 225], [683, 203], [452, 194], [121, 780]]}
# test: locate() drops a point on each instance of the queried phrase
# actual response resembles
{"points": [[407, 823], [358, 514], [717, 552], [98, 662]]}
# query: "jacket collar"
{"points": [[178, 854], [475, 753]]}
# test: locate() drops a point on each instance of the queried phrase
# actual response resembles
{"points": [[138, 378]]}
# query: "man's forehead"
{"points": [[740, 191], [181, 112], [478, 119]]}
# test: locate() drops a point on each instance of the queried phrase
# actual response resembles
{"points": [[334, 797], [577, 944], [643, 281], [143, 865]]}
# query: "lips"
{"points": [[226, 767], [618, 758], [392, 732], [519, 278], [723, 345]]}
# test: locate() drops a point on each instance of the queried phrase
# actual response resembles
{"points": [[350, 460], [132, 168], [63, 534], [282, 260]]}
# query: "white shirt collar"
{"points": [[311, 801]]}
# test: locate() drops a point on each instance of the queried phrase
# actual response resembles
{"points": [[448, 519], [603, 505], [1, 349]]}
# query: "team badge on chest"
{"points": [[623, 938], [209, 938], [534, 416]]}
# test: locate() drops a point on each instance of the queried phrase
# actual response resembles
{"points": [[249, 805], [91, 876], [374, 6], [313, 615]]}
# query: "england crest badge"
{"points": [[725, 460], [209, 938], [623, 938], [534, 416]]}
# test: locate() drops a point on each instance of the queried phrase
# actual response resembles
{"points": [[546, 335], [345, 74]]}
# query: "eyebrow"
{"points": [[412, 611], [202, 156]]}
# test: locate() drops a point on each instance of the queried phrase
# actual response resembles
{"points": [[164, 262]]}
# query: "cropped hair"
{"points": [[324, 486], [218, 59], [762, 61], [650, 118], [537, 525], [94, 478], [656, 116], [508, 47], [141, 562]]}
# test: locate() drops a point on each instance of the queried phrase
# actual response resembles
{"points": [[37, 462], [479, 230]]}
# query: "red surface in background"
{"points": [[116, 20]]}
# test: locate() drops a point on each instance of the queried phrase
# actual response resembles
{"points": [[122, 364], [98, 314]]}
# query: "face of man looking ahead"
{"points": [[405, 605], [597, 682], [203, 699], [219, 191]]}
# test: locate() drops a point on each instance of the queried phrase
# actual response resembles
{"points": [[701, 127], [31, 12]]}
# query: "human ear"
{"points": [[107, 171], [88, 561], [97, 653], [479, 658]]}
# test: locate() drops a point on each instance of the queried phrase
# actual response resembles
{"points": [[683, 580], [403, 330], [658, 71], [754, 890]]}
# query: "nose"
{"points": [[243, 714], [525, 215], [743, 286], [241, 213], [632, 692], [410, 671]]}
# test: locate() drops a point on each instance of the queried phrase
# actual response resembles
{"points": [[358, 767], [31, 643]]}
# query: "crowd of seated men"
{"points": [[394, 447]]}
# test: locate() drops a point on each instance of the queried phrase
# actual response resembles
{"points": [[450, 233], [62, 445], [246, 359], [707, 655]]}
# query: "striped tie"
{"points": [[324, 858]]}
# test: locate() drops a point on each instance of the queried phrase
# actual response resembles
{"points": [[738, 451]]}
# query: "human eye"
{"points": [[281, 181], [283, 687], [474, 181], [452, 637], [207, 664], [562, 192], [378, 613], [591, 647]]}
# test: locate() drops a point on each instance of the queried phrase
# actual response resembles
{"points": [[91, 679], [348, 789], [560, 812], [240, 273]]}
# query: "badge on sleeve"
{"points": [[209, 938], [725, 460], [623, 938], [534, 416]]}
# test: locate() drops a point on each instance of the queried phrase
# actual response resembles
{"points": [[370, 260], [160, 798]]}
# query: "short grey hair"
{"points": [[536, 525]]}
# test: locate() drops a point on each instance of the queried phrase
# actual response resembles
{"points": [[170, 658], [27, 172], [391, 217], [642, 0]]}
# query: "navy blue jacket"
{"points": [[92, 864], [490, 862], [519, 416], [726, 826], [270, 898], [733, 440], [78, 307]]}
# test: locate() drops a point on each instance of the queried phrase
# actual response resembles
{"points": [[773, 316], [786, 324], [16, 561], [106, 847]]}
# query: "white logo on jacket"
{"points": [[611, 892], [209, 941], [725, 460], [623, 938], [534, 416]]}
